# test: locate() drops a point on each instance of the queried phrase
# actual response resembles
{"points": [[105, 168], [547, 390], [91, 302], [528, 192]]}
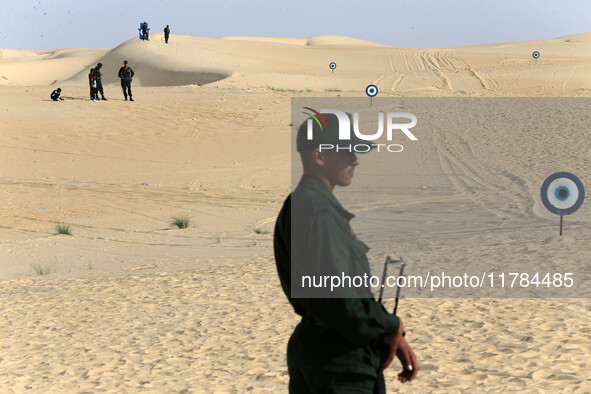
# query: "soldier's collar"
{"points": [[318, 186]]}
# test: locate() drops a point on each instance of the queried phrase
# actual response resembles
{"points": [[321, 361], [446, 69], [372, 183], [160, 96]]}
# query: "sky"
{"points": [[47, 24]]}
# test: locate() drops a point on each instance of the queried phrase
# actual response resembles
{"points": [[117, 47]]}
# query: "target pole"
{"points": [[332, 67], [562, 194], [371, 91]]}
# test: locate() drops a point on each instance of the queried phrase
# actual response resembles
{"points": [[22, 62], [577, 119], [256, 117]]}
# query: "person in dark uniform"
{"points": [[343, 343], [126, 74], [92, 84], [166, 33], [99, 84], [145, 30], [90, 81], [56, 94]]}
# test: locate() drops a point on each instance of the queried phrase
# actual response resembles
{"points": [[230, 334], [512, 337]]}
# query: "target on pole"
{"points": [[332, 65], [562, 193], [536, 54], [371, 90]]}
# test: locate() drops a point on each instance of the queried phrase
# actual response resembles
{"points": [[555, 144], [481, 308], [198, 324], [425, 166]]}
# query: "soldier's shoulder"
{"points": [[307, 202]]}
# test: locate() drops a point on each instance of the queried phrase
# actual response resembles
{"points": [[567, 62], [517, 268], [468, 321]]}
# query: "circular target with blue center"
{"points": [[332, 65], [536, 54], [562, 193], [371, 90]]}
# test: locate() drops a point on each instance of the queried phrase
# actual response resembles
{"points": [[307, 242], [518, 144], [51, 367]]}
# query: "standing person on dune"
{"points": [[166, 33], [145, 30], [126, 74]]}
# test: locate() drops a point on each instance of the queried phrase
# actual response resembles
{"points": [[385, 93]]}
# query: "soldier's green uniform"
{"points": [[99, 82], [166, 33], [126, 74], [333, 347]]}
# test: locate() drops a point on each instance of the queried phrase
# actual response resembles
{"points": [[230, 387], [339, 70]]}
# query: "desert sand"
{"points": [[132, 304]]}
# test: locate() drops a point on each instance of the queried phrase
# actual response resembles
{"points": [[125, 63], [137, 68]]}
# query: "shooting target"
{"points": [[562, 193], [332, 65], [371, 90], [536, 54]]}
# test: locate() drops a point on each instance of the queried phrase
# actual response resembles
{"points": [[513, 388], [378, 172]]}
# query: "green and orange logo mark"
{"points": [[317, 117]]}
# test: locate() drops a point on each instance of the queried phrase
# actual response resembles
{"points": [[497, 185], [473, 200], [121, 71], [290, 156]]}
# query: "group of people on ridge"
{"points": [[145, 32]]}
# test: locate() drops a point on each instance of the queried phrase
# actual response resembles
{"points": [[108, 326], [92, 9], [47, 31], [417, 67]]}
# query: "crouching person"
{"points": [[56, 94]]}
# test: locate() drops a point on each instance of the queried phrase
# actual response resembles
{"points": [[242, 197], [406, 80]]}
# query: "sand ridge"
{"points": [[132, 304], [506, 69]]}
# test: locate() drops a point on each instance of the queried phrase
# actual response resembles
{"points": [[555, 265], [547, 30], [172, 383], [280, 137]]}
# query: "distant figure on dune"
{"points": [[166, 33], [126, 74], [145, 30], [56, 94], [92, 83], [99, 84]]}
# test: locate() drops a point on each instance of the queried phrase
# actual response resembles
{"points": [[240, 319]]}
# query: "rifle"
{"points": [[386, 263], [384, 343]]}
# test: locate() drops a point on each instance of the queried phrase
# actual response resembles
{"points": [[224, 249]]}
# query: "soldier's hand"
{"points": [[394, 342], [408, 359]]}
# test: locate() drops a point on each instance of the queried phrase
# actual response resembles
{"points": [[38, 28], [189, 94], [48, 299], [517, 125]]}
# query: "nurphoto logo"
{"points": [[393, 126]]}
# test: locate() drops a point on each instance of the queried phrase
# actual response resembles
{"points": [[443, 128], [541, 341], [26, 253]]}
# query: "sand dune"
{"points": [[25, 68], [186, 62], [302, 64], [312, 41], [132, 304]]}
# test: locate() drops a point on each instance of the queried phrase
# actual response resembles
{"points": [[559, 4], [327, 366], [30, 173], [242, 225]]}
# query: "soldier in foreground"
{"points": [[343, 343]]}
